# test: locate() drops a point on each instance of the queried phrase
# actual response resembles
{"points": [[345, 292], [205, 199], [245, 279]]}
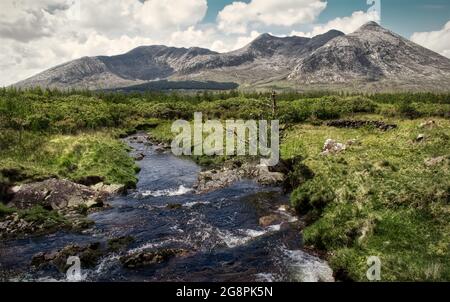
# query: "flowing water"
{"points": [[220, 228]]}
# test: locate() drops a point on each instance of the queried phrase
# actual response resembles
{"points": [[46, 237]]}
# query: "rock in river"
{"points": [[146, 258], [55, 194]]}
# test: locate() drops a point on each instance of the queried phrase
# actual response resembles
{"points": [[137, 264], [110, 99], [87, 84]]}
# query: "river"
{"points": [[220, 228]]}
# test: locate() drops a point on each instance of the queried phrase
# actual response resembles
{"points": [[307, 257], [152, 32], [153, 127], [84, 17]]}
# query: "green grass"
{"points": [[41, 216], [74, 157], [377, 198]]}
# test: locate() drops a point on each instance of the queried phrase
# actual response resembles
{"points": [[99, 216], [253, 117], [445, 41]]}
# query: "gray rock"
{"points": [[109, 190], [148, 258], [55, 194], [332, 147]]}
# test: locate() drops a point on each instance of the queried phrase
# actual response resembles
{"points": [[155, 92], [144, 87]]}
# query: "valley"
{"points": [[363, 175]]}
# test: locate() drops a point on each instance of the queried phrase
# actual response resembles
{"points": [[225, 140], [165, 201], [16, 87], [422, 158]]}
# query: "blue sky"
{"points": [[402, 16]]}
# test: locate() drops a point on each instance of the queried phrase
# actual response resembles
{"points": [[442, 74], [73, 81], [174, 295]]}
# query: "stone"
{"points": [[428, 124], [354, 124], [89, 256], [333, 147], [148, 258], [55, 194], [174, 206], [420, 138], [265, 177], [139, 156], [109, 190], [270, 220], [118, 244]]}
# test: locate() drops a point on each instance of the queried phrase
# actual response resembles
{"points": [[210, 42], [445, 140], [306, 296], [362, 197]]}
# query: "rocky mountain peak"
{"points": [[371, 26]]}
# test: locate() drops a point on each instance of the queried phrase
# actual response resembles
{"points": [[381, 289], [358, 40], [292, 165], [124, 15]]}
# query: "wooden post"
{"points": [[274, 102]]}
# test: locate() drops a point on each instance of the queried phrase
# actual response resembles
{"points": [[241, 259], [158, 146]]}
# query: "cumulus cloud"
{"points": [[438, 41], [346, 24], [36, 35], [239, 16]]}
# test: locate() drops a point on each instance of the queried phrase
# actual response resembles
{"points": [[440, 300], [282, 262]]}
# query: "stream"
{"points": [[220, 228]]}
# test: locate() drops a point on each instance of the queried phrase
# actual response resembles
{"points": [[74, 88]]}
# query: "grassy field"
{"points": [[377, 198]]}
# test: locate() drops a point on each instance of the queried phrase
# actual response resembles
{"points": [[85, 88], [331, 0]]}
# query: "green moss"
{"points": [[41, 216], [5, 211], [73, 157]]}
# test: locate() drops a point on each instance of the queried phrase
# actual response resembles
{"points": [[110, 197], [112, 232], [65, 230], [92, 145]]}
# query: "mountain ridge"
{"points": [[372, 57]]}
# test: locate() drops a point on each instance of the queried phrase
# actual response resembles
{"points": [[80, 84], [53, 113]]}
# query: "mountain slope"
{"points": [[371, 58], [370, 54]]}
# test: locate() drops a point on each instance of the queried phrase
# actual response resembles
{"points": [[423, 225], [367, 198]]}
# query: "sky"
{"points": [[38, 34]]}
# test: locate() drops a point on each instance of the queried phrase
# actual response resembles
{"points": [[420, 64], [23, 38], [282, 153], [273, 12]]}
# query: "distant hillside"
{"points": [[372, 58]]}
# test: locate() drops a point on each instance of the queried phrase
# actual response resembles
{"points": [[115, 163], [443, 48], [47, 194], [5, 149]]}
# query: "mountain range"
{"points": [[371, 58]]}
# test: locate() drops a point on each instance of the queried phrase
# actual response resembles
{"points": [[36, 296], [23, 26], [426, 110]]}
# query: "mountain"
{"points": [[371, 58]]}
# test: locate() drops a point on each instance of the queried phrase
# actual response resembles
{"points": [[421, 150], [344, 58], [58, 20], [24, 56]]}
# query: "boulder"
{"points": [[121, 243], [55, 194], [265, 177], [420, 138], [139, 156], [428, 124], [89, 256], [218, 179], [270, 220], [109, 190], [332, 147], [148, 258]]}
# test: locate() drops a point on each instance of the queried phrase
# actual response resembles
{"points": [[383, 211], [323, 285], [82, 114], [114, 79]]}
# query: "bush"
{"points": [[326, 108], [358, 104], [406, 109]]}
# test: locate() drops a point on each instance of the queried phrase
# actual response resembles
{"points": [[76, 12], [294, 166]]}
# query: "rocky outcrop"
{"points": [[354, 124], [52, 205], [89, 254], [109, 190], [373, 54], [333, 147], [217, 179], [148, 258], [56, 194]]}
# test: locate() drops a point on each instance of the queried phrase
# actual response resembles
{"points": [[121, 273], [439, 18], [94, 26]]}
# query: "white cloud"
{"points": [[239, 16], [346, 24], [438, 41], [37, 35]]}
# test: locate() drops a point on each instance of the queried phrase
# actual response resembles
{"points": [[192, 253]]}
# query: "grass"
{"points": [[39, 156], [377, 198], [41, 216], [5, 211]]}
